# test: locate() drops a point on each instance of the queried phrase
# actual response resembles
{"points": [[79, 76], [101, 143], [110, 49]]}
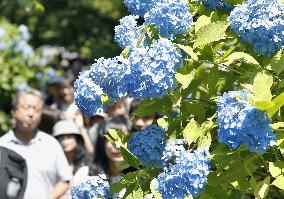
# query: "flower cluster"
{"points": [[242, 123], [109, 75], [91, 187], [173, 149], [87, 94], [172, 17], [18, 43], [148, 145], [127, 33], [152, 69], [139, 7], [260, 23], [187, 177], [148, 72], [215, 4]]}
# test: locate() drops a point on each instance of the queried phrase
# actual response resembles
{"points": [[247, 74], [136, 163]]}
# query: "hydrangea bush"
{"points": [[214, 70]]}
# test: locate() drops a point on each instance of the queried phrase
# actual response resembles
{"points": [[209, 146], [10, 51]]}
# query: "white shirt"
{"points": [[46, 162]]}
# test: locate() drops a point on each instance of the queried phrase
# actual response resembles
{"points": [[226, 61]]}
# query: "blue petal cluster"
{"points": [[148, 72], [215, 4], [139, 7], [173, 149], [261, 23], [172, 17], [92, 187], [152, 69], [187, 177], [127, 33], [87, 94], [242, 123], [109, 75], [148, 145]]}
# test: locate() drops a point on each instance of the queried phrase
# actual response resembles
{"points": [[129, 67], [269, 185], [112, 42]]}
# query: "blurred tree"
{"points": [[85, 26]]}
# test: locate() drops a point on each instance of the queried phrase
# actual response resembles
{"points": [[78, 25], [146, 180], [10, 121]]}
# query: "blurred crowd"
{"points": [[56, 139]]}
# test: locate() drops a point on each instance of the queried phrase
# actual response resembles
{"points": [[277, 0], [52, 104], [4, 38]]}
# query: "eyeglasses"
{"points": [[27, 107]]}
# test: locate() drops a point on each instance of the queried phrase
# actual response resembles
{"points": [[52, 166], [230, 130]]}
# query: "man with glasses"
{"points": [[48, 170]]}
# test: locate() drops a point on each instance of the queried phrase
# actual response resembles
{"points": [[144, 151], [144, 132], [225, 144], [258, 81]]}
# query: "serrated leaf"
{"points": [[276, 168], [191, 132], [211, 32], [113, 133], [163, 123], [279, 182], [184, 80], [262, 188], [277, 125], [156, 194], [201, 22], [261, 87], [278, 101], [137, 193], [241, 57], [129, 157], [277, 63], [264, 105], [188, 50]]}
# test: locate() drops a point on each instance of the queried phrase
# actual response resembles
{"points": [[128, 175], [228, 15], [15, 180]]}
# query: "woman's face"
{"points": [[68, 142], [112, 153]]}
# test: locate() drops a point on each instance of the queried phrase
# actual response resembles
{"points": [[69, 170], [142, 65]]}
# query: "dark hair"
{"points": [[30, 91], [83, 158], [100, 157]]}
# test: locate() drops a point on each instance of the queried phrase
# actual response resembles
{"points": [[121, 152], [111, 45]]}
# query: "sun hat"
{"points": [[66, 127]]}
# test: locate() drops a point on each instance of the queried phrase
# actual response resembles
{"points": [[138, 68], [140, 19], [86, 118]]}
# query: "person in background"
{"points": [[139, 123], [72, 142], [118, 108], [107, 156], [52, 108], [48, 170]]}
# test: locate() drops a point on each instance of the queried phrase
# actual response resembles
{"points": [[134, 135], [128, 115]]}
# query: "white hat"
{"points": [[66, 127]]}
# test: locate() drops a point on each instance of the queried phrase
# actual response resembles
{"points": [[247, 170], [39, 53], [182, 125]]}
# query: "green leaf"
{"points": [[277, 63], [276, 168], [113, 133], [201, 22], [261, 87], [184, 80], [262, 188], [156, 194], [191, 132], [129, 157], [163, 123], [211, 32], [137, 193], [125, 52], [264, 105], [278, 101], [241, 57], [277, 125], [279, 182], [188, 51]]}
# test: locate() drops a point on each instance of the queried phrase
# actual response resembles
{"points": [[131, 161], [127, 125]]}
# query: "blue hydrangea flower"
{"points": [[109, 75], [87, 94], [127, 33], [2, 32], [242, 123], [148, 145], [139, 7], [92, 187], [172, 17], [260, 23], [173, 149], [152, 69], [215, 4], [187, 177]]}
